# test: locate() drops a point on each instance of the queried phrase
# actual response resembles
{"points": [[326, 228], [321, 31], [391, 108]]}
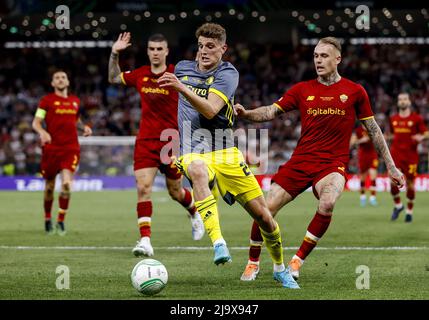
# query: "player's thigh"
{"points": [[193, 164], [277, 198], [50, 165], [330, 187], [69, 160], [410, 183], [50, 185], [144, 178], [234, 176]]}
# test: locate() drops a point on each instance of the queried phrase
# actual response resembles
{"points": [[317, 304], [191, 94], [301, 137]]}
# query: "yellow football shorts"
{"points": [[229, 171]]}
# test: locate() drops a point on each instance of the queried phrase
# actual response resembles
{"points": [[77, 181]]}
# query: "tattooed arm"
{"points": [[380, 145], [122, 43], [260, 114]]}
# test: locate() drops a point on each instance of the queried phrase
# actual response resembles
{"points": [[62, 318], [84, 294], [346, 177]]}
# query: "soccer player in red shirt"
{"points": [[60, 145], [368, 164], [328, 106], [408, 129], [159, 113]]}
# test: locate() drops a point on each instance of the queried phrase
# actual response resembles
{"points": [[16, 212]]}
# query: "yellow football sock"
{"points": [[273, 242], [208, 211]]}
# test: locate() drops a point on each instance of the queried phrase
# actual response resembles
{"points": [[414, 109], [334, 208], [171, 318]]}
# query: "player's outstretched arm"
{"points": [[260, 114], [122, 43], [380, 145]]}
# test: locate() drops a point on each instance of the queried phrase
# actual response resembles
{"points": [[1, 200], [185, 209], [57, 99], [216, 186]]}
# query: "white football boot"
{"points": [[143, 248]]}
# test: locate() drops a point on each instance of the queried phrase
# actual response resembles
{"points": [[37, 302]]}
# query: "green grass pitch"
{"points": [[105, 223]]}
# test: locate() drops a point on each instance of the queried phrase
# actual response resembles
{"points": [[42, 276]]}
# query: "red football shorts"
{"points": [[55, 160], [407, 165], [366, 163], [297, 175], [147, 154]]}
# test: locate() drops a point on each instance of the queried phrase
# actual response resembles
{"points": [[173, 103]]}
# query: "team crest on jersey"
{"points": [[209, 80], [410, 123], [310, 98], [344, 98], [75, 104]]}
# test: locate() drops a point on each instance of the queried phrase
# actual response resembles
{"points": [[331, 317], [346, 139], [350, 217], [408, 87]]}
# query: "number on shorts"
{"points": [[412, 169], [245, 168]]}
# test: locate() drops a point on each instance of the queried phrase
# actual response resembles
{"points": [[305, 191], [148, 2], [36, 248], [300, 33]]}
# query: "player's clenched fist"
{"points": [[397, 177], [45, 138]]}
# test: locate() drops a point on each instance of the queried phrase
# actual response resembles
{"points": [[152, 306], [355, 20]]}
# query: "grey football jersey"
{"points": [[197, 133]]}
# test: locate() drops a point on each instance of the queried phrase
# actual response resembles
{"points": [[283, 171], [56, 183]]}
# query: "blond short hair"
{"points": [[332, 41]]}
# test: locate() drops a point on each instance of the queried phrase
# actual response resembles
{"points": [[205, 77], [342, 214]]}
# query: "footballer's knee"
{"points": [[49, 189], [144, 189], [197, 171], [65, 188], [326, 206]]}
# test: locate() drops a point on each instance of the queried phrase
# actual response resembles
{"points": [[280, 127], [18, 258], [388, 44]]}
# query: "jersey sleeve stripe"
{"points": [[122, 78], [220, 94], [366, 118], [40, 113], [275, 104]]}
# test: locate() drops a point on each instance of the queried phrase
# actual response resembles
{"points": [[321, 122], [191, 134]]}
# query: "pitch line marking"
{"points": [[393, 248]]}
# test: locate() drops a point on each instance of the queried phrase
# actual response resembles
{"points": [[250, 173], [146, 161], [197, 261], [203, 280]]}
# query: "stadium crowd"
{"points": [[266, 71]]}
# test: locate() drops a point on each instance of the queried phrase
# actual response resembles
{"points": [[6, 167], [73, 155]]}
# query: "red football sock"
{"points": [[47, 205], [316, 229], [63, 206], [144, 214], [256, 242], [188, 203]]}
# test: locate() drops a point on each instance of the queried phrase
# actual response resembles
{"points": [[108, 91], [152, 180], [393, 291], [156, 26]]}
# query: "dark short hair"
{"points": [[332, 41], [404, 92], [211, 30], [157, 37], [57, 71]]}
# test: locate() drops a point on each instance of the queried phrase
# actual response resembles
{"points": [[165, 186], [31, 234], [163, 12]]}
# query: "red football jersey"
{"points": [[328, 115], [158, 105], [403, 128], [365, 149], [61, 119]]}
